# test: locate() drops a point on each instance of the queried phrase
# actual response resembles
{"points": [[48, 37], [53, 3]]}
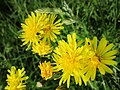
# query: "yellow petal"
{"points": [[80, 82], [60, 82], [56, 31], [69, 39], [102, 71], [76, 74], [59, 24], [109, 62], [74, 44], [111, 53], [65, 77], [95, 43], [110, 58], [74, 36], [76, 78], [106, 68], [53, 37], [89, 73], [94, 73], [33, 16], [83, 78], [107, 49], [102, 45], [68, 82], [84, 70], [58, 21]]}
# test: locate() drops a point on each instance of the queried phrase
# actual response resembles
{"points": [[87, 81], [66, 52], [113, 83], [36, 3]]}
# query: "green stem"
{"points": [[103, 83], [116, 68], [91, 85]]}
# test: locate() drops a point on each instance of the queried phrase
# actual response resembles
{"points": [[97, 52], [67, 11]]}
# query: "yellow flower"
{"points": [[32, 28], [46, 70], [42, 48], [100, 58], [16, 79], [52, 28], [67, 57]]}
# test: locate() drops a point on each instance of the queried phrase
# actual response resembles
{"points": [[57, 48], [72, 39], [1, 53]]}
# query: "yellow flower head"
{"points": [[100, 58], [32, 28], [42, 48], [15, 79], [67, 57], [52, 28], [46, 70]]}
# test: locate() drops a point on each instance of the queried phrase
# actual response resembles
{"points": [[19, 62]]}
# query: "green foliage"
{"points": [[88, 18]]}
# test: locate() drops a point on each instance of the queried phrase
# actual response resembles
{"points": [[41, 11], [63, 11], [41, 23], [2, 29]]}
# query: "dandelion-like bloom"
{"points": [[32, 28], [16, 79], [46, 70], [67, 58], [101, 57], [42, 48], [52, 28]]}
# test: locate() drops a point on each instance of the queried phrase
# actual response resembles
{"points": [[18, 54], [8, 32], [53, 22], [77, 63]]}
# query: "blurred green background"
{"points": [[88, 18]]}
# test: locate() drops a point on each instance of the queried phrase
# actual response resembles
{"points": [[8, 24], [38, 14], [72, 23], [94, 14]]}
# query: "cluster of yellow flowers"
{"points": [[82, 61], [77, 59], [39, 30]]}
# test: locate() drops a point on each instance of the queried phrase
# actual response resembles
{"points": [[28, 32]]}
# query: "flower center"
{"points": [[47, 29], [95, 60], [47, 73]]}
